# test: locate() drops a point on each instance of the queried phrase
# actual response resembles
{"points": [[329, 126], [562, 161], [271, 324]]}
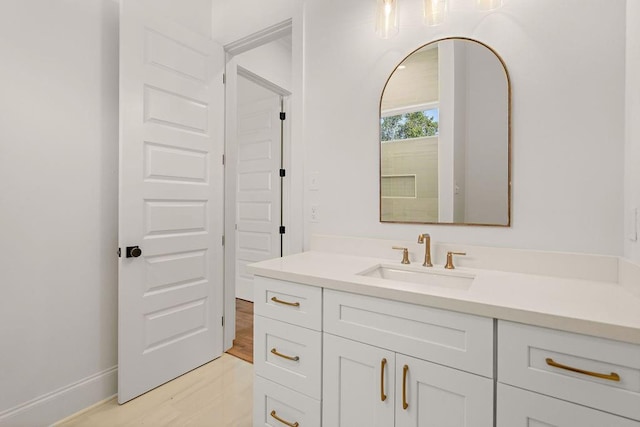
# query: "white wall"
{"points": [[236, 19], [487, 133], [566, 76], [59, 188], [271, 61], [460, 115], [196, 15], [632, 147], [450, 140]]}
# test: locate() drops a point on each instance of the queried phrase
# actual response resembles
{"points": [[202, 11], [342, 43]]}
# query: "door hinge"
{"points": [[119, 253], [224, 78], [222, 240], [223, 159], [223, 321], [282, 229], [283, 115], [283, 173]]}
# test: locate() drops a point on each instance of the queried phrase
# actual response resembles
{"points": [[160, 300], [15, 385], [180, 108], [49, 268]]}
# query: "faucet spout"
{"points": [[426, 239]]}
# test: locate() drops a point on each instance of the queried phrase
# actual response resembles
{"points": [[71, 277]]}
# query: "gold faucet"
{"points": [[405, 254], [449, 265], [426, 239]]}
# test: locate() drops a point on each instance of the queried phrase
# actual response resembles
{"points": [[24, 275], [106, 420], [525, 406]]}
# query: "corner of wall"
{"points": [[632, 132]]}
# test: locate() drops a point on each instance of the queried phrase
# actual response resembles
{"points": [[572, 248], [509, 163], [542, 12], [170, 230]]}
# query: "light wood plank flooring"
{"points": [[218, 394], [243, 343]]}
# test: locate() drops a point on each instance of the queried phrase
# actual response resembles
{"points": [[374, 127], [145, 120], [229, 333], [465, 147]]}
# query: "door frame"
{"points": [[292, 194], [279, 96]]}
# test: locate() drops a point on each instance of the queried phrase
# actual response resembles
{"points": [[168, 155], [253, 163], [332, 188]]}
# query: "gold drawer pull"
{"points": [[279, 301], [405, 371], [611, 377], [284, 356], [383, 363], [274, 415]]}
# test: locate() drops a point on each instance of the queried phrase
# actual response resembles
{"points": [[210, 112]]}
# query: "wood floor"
{"points": [[218, 394], [243, 344]]}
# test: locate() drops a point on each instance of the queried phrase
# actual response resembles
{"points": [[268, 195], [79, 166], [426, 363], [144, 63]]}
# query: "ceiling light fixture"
{"points": [[435, 12], [387, 18]]}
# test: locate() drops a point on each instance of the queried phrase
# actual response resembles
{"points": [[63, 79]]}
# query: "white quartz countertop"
{"points": [[601, 309]]}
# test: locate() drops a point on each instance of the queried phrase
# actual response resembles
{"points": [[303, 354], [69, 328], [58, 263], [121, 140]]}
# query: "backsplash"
{"points": [[557, 264]]}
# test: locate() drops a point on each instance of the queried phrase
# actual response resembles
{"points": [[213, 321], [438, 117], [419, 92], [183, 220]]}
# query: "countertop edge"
{"points": [[512, 314]]}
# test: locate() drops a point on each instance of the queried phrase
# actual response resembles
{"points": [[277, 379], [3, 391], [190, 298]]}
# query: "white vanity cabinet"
{"points": [[369, 386], [585, 380], [522, 408], [287, 354], [324, 357], [378, 365]]}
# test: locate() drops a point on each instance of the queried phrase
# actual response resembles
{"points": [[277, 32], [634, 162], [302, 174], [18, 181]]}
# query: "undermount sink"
{"points": [[421, 275]]}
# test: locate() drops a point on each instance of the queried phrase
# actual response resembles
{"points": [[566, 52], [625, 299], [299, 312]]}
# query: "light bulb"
{"points": [[387, 18], [435, 12]]}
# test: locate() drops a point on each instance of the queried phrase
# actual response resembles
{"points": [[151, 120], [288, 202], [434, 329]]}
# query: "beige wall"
{"points": [[417, 157]]}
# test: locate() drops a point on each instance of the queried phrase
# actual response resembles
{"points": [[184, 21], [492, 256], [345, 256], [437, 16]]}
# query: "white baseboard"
{"points": [[59, 404]]}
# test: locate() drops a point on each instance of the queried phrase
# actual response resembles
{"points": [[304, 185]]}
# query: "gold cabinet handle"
{"points": [[611, 377], [284, 356], [279, 301], [383, 363], [405, 371], [285, 422]]}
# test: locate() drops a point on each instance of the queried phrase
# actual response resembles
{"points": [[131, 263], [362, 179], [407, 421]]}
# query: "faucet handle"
{"points": [[405, 254], [449, 265]]}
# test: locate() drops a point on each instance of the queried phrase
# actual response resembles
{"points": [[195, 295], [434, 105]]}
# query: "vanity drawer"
{"points": [[271, 400], [289, 302], [546, 360], [453, 339], [277, 343], [521, 408]]}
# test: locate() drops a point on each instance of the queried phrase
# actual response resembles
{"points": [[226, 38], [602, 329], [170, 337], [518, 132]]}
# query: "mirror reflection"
{"points": [[444, 137]]}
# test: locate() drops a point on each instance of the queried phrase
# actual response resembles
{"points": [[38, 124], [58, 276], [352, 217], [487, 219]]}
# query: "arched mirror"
{"points": [[445, 137]]}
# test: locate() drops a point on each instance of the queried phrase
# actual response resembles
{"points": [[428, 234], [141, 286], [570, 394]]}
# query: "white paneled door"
{"points": [[171, 206], [258, 188]]}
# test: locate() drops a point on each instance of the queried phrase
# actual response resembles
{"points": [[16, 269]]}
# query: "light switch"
{"points": [[314, 181]]}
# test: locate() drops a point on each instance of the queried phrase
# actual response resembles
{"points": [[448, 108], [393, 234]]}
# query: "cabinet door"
{"points": [[521, 408], [437, 396], [358, 385]]}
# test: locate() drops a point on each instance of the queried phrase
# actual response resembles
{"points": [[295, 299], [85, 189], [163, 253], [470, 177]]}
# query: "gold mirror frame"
{"points": [[509, 137]]}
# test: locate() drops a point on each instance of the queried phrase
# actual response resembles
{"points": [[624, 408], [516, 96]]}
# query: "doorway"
{"points": [[258, 72], [259, 182]]}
